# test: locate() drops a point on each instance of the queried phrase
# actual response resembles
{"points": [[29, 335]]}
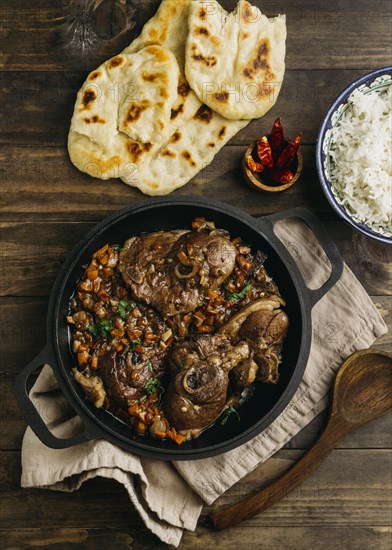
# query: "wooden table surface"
{"points": [[47, 206]]}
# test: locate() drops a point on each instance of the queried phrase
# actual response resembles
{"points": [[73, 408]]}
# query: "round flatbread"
{"points": [[123, 110], [235, 62]]}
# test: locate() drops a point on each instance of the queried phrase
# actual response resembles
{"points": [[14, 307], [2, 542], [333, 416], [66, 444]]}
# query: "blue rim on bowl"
{"points": [[332, 116]]}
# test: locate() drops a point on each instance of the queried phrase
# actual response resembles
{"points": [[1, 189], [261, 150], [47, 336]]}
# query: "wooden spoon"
{"points": [[362, 392]]}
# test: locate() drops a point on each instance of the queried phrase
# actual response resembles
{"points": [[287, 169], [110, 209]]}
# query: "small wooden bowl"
{"points": [[260, 182]]}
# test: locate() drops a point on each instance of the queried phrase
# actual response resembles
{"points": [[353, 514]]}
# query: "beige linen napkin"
{"points": [[169, 496]]}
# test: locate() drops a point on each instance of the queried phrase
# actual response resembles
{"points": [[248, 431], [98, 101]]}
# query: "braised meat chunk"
{"points": [[172, 271], [197, 392], [264, 326], [247, 348]]}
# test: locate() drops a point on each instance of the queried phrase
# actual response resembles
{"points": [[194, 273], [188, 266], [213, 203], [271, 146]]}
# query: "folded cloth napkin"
{"points": [[170, 496]]}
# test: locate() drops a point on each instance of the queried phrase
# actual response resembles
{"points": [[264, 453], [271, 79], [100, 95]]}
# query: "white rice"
{"points": [[361, 153]]}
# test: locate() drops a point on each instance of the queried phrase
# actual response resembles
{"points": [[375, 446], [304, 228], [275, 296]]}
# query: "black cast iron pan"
{"points": [[268, 400]]}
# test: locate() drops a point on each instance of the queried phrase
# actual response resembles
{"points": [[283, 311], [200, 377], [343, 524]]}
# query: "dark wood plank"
{"points": [[38, 106], [41, 184], [344, 481], [23, 331], [333, 537], [30, 33], [75, 538]]}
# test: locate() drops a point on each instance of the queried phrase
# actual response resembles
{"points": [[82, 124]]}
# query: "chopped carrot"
{"points": [[160, 435], [140, 428], [179, 439], [92, 273], [83, 347], [133, 409], [94, 362], [83, 358], [140, 349], [86, 286], [134, 334], [101, 251], [134, 375], [117, 332]]}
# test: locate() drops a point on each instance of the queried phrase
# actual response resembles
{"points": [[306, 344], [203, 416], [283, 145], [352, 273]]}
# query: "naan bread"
{"points": [[196, 132], [125, 105], [235, 62]]}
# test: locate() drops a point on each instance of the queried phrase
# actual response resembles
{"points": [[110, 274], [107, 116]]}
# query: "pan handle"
{"points": [[31, 414], [329, 247]]}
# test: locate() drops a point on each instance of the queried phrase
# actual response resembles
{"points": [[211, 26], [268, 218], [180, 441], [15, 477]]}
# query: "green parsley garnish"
{"points": [[238, 295], [117, 248], [123, 308], [225, 416], [153, 386], [102, 328], [136, 343]]}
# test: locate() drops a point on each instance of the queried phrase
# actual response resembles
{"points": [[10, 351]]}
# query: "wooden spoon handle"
{"points": [[262, 499]]}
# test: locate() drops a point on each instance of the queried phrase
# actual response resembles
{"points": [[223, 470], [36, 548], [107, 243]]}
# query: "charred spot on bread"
{"points": [[88, 97], [247, 14], [136, 149], [151, 77], [222, 132], [135, 111], [168, 153], [176, 112], [163, 93], [202, 13], [204, 114], [94, 119], [203, 31], [152, 184], [187, 156], [183, 89], [176, 136], [261, 60], [116, 61], [94, 75], [159, 53], [210, 60], [222, 97], [211, 144]]}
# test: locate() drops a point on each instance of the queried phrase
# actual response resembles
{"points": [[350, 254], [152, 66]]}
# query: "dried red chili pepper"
{"points": [[289, 153], [281, 176], [264, 152], [253, 166], [276, 137]]}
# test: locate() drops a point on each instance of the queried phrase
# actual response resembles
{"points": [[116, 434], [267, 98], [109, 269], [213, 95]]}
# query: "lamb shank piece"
{"points": [[247, 347], [173, 270], [264, 326], [125, 374], [199, 370]]}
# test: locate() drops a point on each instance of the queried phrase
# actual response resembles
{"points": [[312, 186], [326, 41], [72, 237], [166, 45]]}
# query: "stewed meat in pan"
{"points": [[171, 329]]}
